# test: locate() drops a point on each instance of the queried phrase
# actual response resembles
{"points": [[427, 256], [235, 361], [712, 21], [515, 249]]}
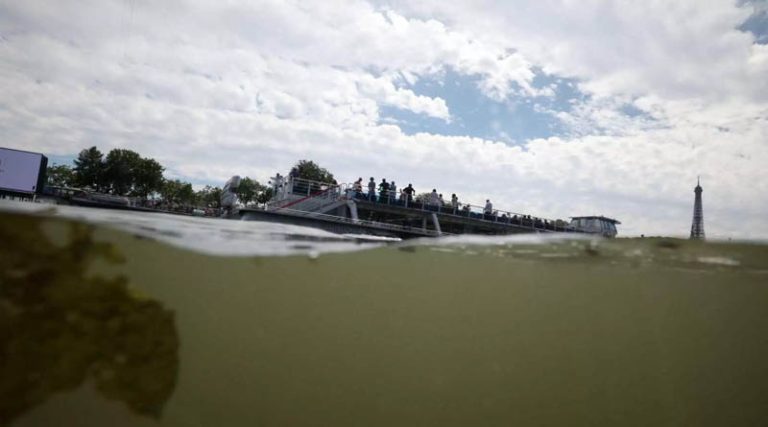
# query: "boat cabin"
{"points": [[596, 224]]}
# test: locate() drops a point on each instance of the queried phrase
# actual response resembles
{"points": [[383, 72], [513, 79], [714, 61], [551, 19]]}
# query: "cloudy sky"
{"points": [[553, 108]]}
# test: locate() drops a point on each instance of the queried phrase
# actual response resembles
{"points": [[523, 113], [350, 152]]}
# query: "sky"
{"points": [[550, 108]]}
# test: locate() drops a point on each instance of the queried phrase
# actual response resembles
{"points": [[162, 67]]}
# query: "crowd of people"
{"points": [[387, 192]]}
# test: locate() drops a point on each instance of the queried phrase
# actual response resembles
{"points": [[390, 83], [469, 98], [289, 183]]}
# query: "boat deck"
{"points": [[457, 221], [344, 207]]}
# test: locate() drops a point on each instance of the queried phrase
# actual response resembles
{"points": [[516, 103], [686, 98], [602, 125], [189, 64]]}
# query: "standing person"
{"points": [[434, 199], [488, 208], [440, 200], [409, 190], [282, 185], [383, 190], [372, 190], [454, 202], [358, 187], [392, 192], [277, 184], [295, 184]]}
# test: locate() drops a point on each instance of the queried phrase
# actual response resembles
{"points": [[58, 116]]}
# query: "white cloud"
{"points": [[212, 89]]}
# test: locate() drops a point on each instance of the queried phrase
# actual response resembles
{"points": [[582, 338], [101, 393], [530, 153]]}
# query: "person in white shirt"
{"points": [[434, 199], [488, 207]]}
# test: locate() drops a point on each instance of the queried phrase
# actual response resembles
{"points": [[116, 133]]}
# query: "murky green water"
{"points": [[101, 327]]}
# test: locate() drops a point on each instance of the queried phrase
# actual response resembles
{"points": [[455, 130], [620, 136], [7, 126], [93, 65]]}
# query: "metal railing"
{"points": [[314, 195], [466, 210], [304, 194]]}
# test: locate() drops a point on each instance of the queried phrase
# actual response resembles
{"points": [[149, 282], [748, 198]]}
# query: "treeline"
{"points": [[126, 173]]}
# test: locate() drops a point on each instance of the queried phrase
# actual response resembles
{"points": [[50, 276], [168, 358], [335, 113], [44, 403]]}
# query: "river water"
{"points": [[121, 318]]}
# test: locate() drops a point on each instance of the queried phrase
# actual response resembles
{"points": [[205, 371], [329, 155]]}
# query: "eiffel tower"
{"points": [[697, 226]]}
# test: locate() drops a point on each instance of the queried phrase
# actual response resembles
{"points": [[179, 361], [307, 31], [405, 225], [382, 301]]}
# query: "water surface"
{"points": [[110, 318]]}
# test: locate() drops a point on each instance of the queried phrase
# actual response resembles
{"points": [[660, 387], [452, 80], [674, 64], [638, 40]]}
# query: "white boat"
{"points": [[344, 208]]}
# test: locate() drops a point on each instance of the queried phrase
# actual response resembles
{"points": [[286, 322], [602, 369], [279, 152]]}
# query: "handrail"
{"points": [[475, 212], [298, 186], [463, 210], [312, 196]]}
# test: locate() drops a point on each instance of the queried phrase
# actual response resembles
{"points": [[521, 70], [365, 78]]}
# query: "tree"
{"points": [[120, 170], [175, 191], [89, 169], [248, 190], [186, 194], [265, 195], [209, 197], [422, 198], [307, 169], [60, 176], [170, 189], [148, 177]]}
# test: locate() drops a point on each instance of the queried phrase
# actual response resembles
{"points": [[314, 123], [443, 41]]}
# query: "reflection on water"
{"points": [[61, 327]]}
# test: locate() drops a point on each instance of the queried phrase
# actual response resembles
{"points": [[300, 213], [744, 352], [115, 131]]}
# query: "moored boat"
{"points": [[345, 209]]}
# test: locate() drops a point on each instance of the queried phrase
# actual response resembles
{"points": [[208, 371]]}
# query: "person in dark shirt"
{"points": [[409, 191], [383, 190]]}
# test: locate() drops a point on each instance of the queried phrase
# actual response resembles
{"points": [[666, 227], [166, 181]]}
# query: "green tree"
{"points": [[307, 169], [186, 194], [209, 197], [60, 176], [120, 170], [248, 190], [422, 198], [148, 177], [265, 195], [176, 191], [170, 190], [89, 169]]}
